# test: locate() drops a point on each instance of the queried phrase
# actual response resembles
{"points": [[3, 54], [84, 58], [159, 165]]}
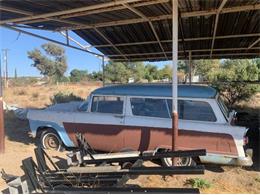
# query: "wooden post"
{"points": [[174, 77]]}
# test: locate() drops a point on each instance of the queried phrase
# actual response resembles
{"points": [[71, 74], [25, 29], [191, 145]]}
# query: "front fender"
{"points": [[35, 125]]}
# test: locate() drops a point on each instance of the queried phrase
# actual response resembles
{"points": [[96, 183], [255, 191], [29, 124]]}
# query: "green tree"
{"points": [[206, 68], [230, 79], [53, 64], [96, 76], [151, 72], [117, 72], [78, 75], [137, 70], [166, 72]]}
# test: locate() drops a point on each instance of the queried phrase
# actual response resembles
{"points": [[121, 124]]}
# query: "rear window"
{"points": [[149, 107], [194, 110], [107, 104]]}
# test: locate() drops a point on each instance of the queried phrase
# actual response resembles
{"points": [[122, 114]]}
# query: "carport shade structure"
{"points": [[148, 30]]}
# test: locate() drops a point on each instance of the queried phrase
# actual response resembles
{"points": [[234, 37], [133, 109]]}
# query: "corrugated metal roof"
{"points": [[132, 37]]}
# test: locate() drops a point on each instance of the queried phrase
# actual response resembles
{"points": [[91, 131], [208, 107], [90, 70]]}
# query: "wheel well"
{"points": [[41, 129]]}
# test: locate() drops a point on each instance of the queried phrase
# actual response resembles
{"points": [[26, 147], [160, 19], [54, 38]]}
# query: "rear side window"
{"points": [[149, 107], [194, 110], [107, 104]]}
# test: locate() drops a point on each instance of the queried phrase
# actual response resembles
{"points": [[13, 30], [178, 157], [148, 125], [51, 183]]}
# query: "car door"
{"points": [[147, 123], [102, 125]]}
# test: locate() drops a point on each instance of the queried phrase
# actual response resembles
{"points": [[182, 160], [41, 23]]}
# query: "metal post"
{"points": [[174, 76], [103, 69], [2, 132], [67, 37], [190, 67]]}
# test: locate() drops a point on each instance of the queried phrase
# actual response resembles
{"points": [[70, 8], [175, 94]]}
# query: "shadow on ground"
{"points": [[17, 130]]}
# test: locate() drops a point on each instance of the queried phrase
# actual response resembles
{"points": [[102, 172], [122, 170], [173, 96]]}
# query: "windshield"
{"points": [[223, 107]]}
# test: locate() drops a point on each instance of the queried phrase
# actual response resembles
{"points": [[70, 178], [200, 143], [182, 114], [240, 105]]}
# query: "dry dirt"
{"points": [[19, 145]]}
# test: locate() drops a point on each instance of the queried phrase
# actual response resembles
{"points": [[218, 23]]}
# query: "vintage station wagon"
{"points": [[138, 117]]}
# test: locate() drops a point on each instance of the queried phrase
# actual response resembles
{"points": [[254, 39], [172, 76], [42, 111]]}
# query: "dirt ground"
{"points": [[19, 145]]}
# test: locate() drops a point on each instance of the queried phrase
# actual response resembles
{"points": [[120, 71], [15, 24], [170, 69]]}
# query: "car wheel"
{"points": [[50, 140], [181, 161]]}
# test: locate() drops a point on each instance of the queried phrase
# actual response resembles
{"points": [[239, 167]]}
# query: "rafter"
{"points": [[254, 43], [150, 24], [192, 50], [69, 11], [102, 10], [104, 7], [216, 25], [185, 39], [194, 56]]}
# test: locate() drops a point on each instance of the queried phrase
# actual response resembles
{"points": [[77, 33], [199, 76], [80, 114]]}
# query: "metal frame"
{"points": [[216, 24], [150, 24], [102, 177]]}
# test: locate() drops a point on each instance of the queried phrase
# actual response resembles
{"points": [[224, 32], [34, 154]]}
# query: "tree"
{"points": [[137, 70], [117, 72], [53, 65], [78, 75], [230, 80], [97, 76], [206, 68], [151, 72], [166, 72]]}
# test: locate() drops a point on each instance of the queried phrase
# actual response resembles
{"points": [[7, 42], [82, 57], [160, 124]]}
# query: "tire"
{"points": [[50, 140], [181, 161]]}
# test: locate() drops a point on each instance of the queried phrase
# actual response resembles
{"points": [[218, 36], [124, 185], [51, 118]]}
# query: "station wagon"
{"points": [[137, 117]]}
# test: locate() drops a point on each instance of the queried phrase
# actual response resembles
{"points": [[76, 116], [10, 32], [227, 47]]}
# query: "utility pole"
{"points": [[5, 51], [2, 132]]}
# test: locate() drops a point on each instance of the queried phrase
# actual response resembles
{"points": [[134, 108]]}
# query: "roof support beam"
{"points": [[51, 40], [90, 9], [65, 21], [150, 23], [216, 25], [254, 43], [223, 11], [228, 55], [194, 50], [185, 39], [169, 16], [70, 11], [107, 40], [102, 10]]}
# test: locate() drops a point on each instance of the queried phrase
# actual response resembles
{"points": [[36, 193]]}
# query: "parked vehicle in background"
{"points": [[138, 117]]}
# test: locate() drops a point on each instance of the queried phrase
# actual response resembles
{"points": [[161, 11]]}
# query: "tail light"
{"points": [[245, 140]]}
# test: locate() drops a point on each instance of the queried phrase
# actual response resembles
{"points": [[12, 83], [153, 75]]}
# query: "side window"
{"points": [[107, 104], [194, 110], [149, 107]]}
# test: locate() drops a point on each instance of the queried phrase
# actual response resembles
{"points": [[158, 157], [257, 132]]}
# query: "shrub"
{"points": [[20, 92], [35, 95], [198, 183], [63, 98]]}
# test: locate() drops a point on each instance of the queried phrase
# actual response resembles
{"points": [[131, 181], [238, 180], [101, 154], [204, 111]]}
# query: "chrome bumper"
{"points": [[247, 160], [228, 160]]}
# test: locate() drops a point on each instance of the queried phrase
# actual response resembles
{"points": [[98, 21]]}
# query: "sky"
{"points": [[19, 44]]}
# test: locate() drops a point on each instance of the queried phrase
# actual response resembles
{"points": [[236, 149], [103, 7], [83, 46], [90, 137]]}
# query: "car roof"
{"points": [[157, 90]]}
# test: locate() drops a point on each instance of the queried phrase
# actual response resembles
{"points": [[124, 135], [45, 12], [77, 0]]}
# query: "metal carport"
{"points": [[146, 30]]}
